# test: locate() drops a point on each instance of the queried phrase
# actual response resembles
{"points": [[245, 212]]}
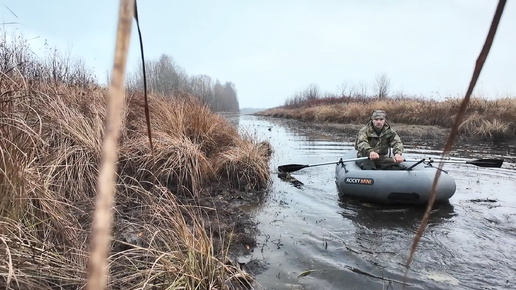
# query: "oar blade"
{"points": [[493, 163], [291, 167]]}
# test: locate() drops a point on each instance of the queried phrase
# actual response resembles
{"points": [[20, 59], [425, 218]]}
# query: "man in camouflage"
{"points": [[374, 141]]}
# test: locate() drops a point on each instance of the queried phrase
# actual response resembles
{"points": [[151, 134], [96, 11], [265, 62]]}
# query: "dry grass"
{"points": [[487, 119], [493, 130], [50, 153], [178, 162], [188, 139], [33, 262], [244, 166], [175, 242]]}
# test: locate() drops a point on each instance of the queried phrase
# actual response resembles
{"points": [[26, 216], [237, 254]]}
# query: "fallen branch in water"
{"points": [[355, 270]]}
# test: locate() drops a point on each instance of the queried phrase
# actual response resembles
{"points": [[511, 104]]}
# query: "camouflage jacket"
{"points": [[368, 140]]}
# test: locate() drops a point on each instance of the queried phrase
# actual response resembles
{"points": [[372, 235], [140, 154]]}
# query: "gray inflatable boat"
{"points": [[412, 186]]}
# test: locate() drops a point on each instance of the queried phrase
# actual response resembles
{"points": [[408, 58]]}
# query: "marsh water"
{"points": [[312, 239]]}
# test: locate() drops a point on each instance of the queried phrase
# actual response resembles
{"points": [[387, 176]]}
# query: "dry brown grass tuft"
{"points": [[491, 130], [184, 116], [73, 131], [178, 163], [33, 262], [245, 166], [186, 135], [28, 194], [48, 184], [18, 150]]}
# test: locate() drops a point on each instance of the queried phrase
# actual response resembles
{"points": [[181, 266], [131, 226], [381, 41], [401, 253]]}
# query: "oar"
{"points": [[296, 167], [495, 163]]}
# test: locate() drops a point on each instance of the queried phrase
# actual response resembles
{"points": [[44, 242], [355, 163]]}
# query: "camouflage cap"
{"points": [[378, 114]]}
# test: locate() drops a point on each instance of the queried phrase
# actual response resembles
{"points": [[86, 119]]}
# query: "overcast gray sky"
{"points": [[272, 49]]}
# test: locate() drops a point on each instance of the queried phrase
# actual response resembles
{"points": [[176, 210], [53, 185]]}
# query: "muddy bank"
{"points": [[345, 132], [228, 220]]}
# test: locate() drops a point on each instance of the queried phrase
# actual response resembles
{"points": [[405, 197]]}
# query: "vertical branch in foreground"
{"points": [[458, 120], [146, 99], [102, 220]]}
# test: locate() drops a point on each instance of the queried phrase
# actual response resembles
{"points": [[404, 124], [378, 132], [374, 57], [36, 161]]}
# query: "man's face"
{"points": [[378, 123]]}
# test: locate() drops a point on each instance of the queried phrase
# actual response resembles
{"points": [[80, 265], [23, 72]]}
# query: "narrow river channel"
{"points": [[311, 239]]}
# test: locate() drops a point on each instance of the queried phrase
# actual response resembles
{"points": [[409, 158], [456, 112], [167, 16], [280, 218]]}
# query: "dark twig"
{"points": [[455, 128], [147, 113]]}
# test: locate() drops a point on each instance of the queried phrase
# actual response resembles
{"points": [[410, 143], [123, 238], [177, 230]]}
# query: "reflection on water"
{"points": [[233, 118], [371, 216], [383, 235], [287, 177], [312, 239]]}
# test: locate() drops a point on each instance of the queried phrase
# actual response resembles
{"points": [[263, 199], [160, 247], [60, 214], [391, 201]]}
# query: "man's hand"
{"points": [[398, 158], [373, 155]]}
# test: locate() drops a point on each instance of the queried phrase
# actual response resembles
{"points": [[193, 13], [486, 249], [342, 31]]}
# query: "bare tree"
{"points": [[202, 87], [343, 89], [362, 89], [312, 92], [165, 77], [382, 86]]}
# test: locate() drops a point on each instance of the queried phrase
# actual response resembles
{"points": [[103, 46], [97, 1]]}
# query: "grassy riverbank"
{"points": [[485, 119], [175, 224]]}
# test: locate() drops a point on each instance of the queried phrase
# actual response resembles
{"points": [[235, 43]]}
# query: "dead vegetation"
{"points": [[487, 120], [166, 233]]}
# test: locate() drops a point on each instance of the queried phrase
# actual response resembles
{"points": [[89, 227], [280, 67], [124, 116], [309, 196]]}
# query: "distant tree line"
{"points": [[312, 95], [165, 77]]}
